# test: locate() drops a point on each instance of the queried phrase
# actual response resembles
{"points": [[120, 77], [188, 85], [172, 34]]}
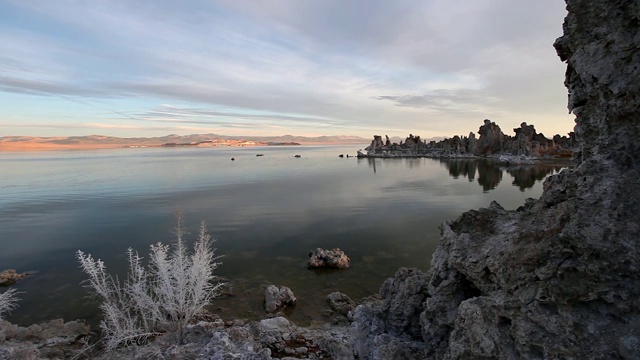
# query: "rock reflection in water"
{"points": [[490, 173], [524, 176]]}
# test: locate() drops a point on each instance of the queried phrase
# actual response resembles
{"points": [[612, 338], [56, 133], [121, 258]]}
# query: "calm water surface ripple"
{"points": [[266, 212]]}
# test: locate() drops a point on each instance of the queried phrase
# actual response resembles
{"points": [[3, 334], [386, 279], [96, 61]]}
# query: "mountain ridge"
{"points": [[9, 143]]}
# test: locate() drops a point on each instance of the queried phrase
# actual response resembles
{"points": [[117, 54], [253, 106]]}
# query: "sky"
{"points": [[274, 67]]}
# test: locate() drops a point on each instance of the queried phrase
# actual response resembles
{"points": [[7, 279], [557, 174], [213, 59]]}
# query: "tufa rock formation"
{"points": [[276, 298], [560, 276], [492, 141], [340, 306], [491, 138]]}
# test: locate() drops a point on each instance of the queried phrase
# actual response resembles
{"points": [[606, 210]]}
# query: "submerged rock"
{"points": [[278, 297], [560, 276], [336, 258]]}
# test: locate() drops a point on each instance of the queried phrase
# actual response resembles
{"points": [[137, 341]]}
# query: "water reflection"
{"points": [[490, 173], [372, 163], [525, 176]]}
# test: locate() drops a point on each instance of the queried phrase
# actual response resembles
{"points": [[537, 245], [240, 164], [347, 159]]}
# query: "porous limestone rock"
{"points": [[341, 303], [273, 338], [560, 276], [335, 258], [472, 145], [340, 307], [278, 297], [51, 340], [491, 138], [376, 145]]}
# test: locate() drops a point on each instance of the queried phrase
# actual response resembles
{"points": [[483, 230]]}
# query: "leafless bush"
{"points": [[8, 301], [164, 296]]}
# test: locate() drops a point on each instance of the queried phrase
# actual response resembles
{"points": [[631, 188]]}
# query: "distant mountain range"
{"points": [[98, 141]]}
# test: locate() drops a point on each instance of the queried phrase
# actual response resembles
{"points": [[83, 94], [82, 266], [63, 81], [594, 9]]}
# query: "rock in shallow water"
{"points": [[278, 297], [335, 258], [10, 277]]}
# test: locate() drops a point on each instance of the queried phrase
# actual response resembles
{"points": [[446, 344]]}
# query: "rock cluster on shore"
{"points": [[51, 340], [526, 143], [560, 276]]}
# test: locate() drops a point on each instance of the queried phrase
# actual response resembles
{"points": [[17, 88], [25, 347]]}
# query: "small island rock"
{"points": [[336, 258], [10, 277]]}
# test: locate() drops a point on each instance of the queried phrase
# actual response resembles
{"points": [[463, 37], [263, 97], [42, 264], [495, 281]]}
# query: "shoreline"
{"points": [[46, 147], [503, 159]]}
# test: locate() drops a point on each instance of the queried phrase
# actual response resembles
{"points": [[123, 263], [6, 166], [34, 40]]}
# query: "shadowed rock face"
{"points": [[491, 138], [560, 276], [600, 46]]}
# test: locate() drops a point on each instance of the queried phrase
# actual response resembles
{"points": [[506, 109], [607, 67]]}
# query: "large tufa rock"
{"points": [[278, 297], [491, 138], [472, 144], [376, 145], [560, 276], [336, 258]]}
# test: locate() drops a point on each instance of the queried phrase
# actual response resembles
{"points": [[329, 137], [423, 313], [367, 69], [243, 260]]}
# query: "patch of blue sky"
{"points": [[17, 17]]}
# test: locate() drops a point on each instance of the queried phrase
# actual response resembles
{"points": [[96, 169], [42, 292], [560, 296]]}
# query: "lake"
{"points": [[265, 212]]}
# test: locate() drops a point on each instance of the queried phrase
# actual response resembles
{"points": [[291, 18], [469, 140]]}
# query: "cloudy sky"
{"points": [[273, 67]]}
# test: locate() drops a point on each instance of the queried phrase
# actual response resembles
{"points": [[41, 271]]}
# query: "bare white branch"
{"points": [[8, 301], [165, 296]]}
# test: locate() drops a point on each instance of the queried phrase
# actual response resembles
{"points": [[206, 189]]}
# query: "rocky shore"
{"points": [[526, 145], [557, 278]]}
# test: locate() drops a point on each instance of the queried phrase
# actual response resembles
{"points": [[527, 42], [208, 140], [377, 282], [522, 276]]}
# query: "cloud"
{"points": [[443, 100], [355, 67], [49, 88]]}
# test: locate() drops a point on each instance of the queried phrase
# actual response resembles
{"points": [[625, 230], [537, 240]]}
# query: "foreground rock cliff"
{"points": [[560, 276]]}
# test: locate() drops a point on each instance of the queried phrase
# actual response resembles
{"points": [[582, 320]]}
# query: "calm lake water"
{"points": [[266, 213]]}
